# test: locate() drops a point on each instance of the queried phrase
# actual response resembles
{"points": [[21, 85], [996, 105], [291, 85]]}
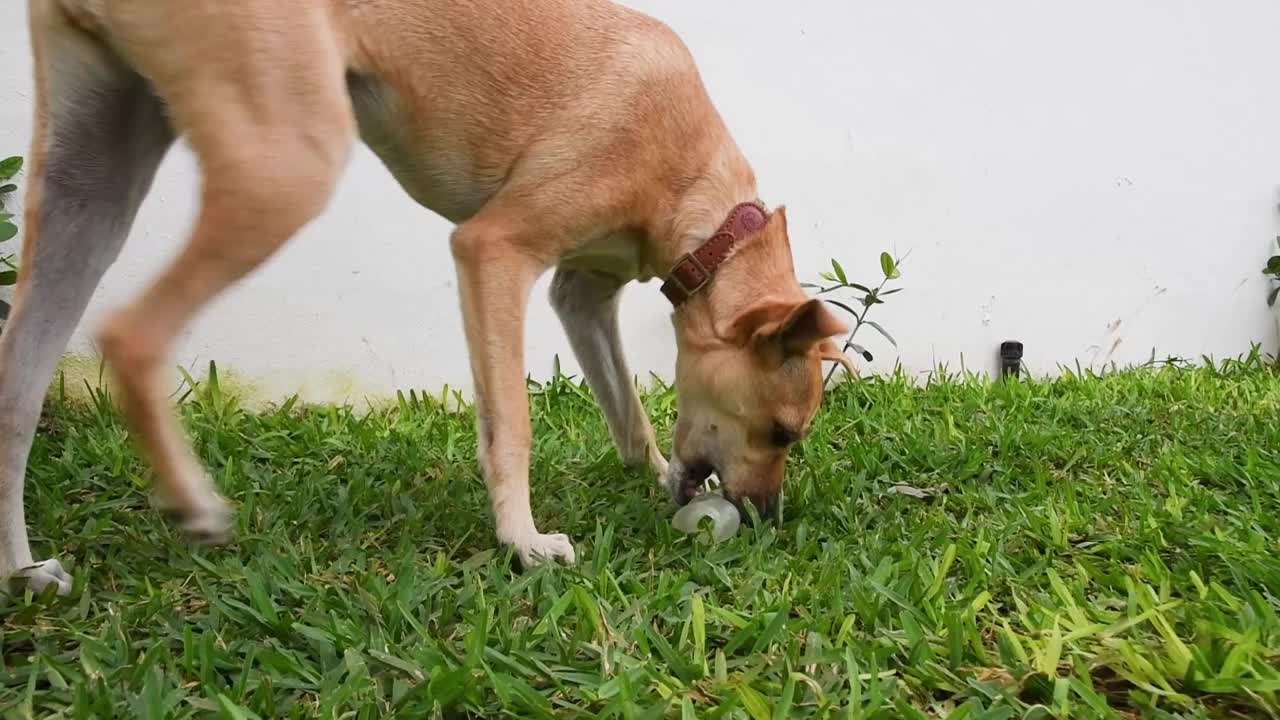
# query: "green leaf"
{"points": [[861, 351], [889, 267], [882, 331], [447, 686], [10, 167], [871, 299], [7, 230], [844, 307], [404, 666], [771, 630], [698, 617], [839, 271], [1273, 265], [8, 277], [755, 703], [232, 711], [7, 188], [1271, 299], [782, 710]]}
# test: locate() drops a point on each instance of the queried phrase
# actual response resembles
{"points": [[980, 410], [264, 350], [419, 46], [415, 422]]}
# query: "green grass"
{"points": [[1091, 547]]}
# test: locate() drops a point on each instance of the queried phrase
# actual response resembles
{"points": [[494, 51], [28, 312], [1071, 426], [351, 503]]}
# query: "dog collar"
{"points": [[694, 270]]}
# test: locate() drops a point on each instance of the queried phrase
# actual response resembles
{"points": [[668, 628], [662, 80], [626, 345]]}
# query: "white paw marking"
{"points": [[42, 575], [534, 548], [210, 525]]}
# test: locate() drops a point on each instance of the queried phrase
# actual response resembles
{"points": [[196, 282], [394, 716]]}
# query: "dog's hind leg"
{"points": [[99, 136], [587, 305], [262, 99]]}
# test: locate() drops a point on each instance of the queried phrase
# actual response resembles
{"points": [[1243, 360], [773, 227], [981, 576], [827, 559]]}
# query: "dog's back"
{"points": [[458, 96]]}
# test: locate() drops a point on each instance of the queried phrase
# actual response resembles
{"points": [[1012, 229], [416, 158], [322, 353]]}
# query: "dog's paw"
{"points": [[535, 548], [209, 526], [40, 576], [206, 524]]}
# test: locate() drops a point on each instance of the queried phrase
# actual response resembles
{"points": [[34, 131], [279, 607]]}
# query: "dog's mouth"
{"points": [[690, 482]]}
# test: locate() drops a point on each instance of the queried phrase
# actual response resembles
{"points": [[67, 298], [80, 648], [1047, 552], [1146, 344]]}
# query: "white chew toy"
{"points": [[708, 505]]}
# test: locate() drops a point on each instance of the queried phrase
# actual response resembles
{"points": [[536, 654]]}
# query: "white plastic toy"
{"points": [[723, 514]]}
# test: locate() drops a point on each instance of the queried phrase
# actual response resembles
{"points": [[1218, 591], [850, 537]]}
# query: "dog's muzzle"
{"points": [[686, 482]]}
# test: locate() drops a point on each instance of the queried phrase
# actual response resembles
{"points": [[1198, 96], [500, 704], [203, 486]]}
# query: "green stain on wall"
{"points": [[79, 374]]}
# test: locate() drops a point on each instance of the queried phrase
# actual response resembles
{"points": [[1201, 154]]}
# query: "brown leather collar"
{"points": [[694, 270]]}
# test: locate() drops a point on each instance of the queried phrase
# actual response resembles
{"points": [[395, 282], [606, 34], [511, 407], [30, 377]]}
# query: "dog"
{"points": [[570, 136]]}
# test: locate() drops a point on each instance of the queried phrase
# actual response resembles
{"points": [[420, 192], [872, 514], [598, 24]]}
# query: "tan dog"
{"points": [[566, 134]]}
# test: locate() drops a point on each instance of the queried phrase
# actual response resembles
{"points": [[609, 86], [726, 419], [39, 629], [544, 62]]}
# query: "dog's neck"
{"points": [[701, 210]]}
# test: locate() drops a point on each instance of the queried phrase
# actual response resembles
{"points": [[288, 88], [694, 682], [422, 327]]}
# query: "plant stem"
{"points": [[848, 343]]}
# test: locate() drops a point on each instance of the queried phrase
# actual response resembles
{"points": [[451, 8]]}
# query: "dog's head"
{"points": [[749, 372]]}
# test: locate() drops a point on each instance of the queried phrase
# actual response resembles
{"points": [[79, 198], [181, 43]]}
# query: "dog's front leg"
{"points": [[587, 305], [495, 275]]}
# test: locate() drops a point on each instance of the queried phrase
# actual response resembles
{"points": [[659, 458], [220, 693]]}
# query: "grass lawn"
{"points": [[1083, 548]]}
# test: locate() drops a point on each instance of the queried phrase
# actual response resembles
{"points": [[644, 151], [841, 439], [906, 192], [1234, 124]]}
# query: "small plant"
{"points": [[866, 297], [1272, 270], [9, 167]]}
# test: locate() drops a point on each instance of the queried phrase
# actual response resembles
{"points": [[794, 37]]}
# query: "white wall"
{"points": [[1054, 168]]}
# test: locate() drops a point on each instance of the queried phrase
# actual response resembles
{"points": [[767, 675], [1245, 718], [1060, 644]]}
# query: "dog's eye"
{"points": [[781, 436]]}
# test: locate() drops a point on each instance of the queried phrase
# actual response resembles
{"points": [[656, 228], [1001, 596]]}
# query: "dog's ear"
{"points": [[807, 325], [794, 328], [779, 215], [829, 351]]}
